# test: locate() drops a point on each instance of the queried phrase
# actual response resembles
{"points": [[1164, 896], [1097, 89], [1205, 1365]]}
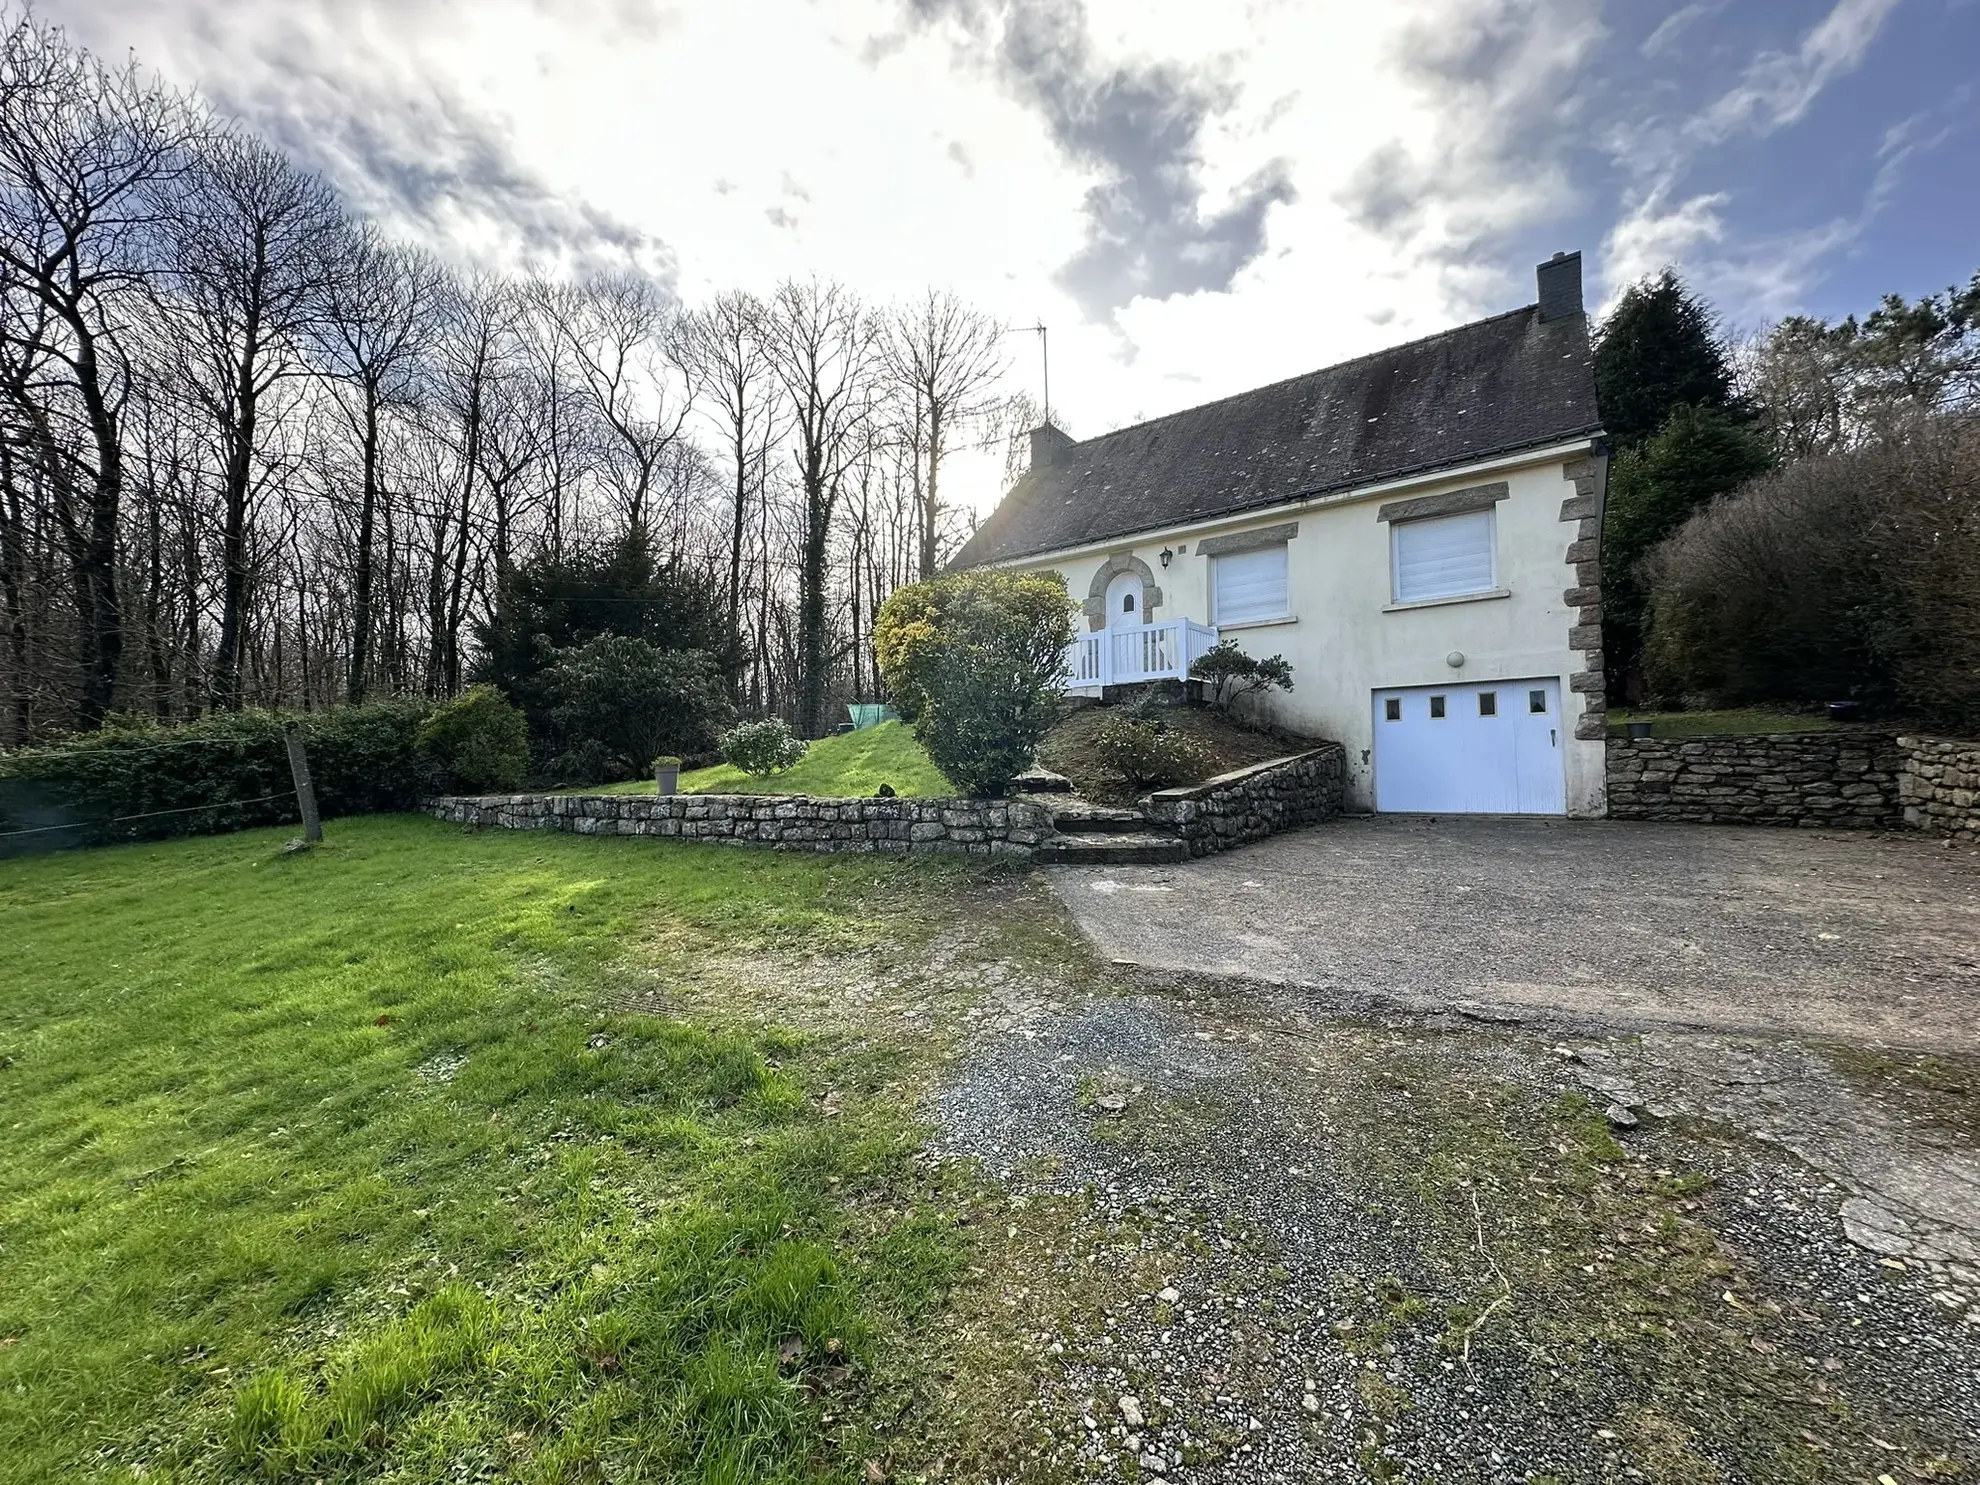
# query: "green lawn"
{"points": [[850, 765], [344, 1165], [1719, 723]]}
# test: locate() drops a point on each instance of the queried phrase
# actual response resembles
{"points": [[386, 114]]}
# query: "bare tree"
{"points": [[947, 361], [380, 314], [825, 348], [726, 342], [625, 341], [82, 149], [252, 247]]}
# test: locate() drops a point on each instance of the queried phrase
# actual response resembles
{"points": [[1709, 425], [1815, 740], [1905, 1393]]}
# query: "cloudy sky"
{"points": [[1195, 198]]}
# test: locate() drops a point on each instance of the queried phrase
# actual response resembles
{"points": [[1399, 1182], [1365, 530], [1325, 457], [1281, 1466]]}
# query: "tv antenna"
{"points": [[1045, 366]]}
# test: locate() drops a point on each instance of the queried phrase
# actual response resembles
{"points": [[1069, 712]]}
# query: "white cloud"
{"points": [[1670, 28], [1280, 184], [1656, 232], [1778, 87]]}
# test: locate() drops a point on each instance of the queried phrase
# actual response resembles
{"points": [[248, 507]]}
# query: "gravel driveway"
{"points": [[1860, 938]]}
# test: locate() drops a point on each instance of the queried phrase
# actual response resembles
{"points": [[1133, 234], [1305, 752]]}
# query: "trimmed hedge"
{"points": [[227, 772]]}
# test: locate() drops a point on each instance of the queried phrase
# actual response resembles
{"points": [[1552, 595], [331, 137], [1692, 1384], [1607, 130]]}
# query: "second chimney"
{"points": [[1560, 286]]}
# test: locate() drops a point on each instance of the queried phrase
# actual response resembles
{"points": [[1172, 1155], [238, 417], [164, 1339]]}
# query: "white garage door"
{"points": [[1475, 749]]}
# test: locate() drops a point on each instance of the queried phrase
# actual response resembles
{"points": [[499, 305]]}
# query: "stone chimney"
{"points": [[1046, 444], [1560, 286]]}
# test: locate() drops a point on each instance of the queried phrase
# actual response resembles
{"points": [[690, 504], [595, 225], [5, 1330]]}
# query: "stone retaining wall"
{"points": [[1940, 787], [1844, 779], [975, 827], [1248, 804], [1853, 779]]}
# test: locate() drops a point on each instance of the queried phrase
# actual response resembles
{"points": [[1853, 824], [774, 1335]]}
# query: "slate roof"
{"points": [[1492, 387]]}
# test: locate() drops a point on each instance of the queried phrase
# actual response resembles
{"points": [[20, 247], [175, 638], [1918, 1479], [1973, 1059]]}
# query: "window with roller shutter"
{"points": [[1248, 586], [1444, 557]]}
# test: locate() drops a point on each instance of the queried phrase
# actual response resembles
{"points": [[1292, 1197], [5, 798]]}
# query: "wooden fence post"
{"points": [[305, 795]]}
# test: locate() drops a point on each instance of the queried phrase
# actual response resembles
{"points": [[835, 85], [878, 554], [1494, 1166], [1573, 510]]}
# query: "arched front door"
{"points": [[1125, 601]]}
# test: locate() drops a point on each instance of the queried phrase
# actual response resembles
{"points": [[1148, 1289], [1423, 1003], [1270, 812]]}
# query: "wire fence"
{"points": [[223, 804]]}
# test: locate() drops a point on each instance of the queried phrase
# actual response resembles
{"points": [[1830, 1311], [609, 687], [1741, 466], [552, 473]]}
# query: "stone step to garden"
{"points": [[1078, 849], [1079, 817], [1040, 780]]}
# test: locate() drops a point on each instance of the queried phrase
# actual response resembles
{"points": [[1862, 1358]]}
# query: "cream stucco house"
{"points": [[1415, 530]]}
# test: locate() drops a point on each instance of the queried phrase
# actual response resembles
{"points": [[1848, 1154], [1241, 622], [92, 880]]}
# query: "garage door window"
{"points": [[1488, 703], [1536, 701], [1249, 586], [1446, 557]]}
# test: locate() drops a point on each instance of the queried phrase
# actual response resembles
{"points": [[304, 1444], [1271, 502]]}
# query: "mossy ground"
{"points": [[1727, 721]]}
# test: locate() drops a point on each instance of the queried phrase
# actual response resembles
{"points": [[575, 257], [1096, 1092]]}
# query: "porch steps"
{"points": [[1077, 817], [1110, 848]]}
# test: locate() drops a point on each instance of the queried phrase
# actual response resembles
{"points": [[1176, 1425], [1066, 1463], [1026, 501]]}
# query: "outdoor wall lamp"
{"points": [[1167, 556]]}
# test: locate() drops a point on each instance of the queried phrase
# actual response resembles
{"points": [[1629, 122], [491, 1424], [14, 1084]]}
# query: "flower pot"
{"points": [[1639, 730], [668, 778]]}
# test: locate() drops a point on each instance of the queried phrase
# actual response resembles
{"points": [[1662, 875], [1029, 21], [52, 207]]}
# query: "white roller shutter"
{"points": [[1444, 557], [1248, 585]]}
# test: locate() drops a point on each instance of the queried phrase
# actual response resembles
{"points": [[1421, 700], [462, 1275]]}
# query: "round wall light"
{"points": [[1455, 659]]}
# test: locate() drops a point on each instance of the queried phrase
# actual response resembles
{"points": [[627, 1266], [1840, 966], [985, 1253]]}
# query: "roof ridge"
{"points": [[1284, 381]]}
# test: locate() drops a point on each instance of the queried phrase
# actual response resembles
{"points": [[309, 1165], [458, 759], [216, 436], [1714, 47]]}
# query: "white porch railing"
{"points": [[1140, 652]]}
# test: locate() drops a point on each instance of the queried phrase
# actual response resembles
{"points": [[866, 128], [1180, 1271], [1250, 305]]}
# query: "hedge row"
{"points": [[141, 782]]}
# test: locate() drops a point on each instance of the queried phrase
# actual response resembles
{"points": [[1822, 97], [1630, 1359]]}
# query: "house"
{"points": [[1416, 531]]}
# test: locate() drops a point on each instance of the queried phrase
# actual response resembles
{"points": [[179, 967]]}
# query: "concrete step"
{"points": [[1081, 818], [1079, 849]]}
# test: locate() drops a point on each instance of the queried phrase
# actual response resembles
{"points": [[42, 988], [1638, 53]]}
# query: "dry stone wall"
{"points": [[974, 827], [1844, 779], [1249, 804], [1940, 787], [1851, 779]]}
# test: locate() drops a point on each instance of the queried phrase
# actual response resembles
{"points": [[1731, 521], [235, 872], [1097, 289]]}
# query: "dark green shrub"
{"points": [[479, 740], [978, 659], [634, 700], [760, 748], [224, 773], [1843, 577], [1231, 674], [1148, 753], [554, 602]]}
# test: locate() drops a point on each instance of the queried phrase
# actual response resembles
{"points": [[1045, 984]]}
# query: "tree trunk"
{"points": [[102, 627], [13, 588], [812, 657], [361, 575], [233, 540], [930, 508]]}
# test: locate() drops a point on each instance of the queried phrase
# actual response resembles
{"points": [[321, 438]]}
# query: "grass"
{"points": [[1718, 723], [849, 765], [343, 1165]]}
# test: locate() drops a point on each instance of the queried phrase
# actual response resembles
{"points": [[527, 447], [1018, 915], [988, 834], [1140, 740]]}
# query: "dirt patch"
{"points": [[1226, 744]]}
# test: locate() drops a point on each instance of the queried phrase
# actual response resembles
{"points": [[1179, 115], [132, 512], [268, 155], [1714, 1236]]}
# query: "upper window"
{"points": [[1443, 557], [1248, 585]]}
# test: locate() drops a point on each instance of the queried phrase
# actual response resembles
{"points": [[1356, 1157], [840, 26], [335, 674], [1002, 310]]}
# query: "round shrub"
{"points": [[1148, 754], [760, 748], [977, 659], [480, 740]]}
